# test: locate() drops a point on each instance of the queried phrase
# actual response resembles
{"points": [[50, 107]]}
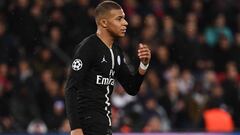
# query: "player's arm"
{"points": [[131, 82], [74, 90]]}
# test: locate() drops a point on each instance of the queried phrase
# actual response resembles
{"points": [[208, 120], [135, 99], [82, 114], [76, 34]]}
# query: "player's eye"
{"points": [[119, 18]]}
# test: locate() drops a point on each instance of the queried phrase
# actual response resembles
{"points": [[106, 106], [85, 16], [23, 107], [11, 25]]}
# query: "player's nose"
{"points": [[125, 23]]}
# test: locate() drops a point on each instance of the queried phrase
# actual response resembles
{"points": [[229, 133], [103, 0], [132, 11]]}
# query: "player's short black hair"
{"points": [[104, 7]]}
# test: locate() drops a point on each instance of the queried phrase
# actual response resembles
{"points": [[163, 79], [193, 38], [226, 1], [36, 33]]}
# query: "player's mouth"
{"points": [[123, 30]]}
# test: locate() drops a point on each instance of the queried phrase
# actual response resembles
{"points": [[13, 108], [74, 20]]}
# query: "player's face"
{"points": [[117, 25]]}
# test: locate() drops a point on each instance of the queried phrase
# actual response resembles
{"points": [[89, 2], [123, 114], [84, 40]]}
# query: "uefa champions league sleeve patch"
{"points": [[77, 64]]}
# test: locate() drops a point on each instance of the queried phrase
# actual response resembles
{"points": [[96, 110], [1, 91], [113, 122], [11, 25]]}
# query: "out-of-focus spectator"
{"points": [[219, 28], [65, 127], [237, 21], [174, 104], [157, 8], [5, 83], [77, 26], [5, 92], [37, 127], [153, 125], [9, 51], [151, 110], [172, 73], [196, 8], [195, 57], [161, 61], [116, 119], [120, 98], [188, 46], [9, 125], [186, 82], [169, 31], [21, 23], [235, 50], [153, 83], [130, 7], [218, 120], [56, 43], [53, 107], [215, 118], [222, 54], [23, 104], [47, 60], [25, 91], [150, 29], [175, 9], [209, 80], [231, 90], [26, 78], [134, 26]]}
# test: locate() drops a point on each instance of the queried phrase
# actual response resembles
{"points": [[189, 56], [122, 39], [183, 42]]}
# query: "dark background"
{"points": [[195, 62]]}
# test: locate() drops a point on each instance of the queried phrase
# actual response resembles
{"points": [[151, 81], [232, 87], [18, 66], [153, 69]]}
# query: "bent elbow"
{"points": [[132, 92]]}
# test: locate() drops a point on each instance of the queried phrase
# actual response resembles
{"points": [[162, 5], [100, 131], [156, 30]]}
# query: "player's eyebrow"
{"points": [[120, 17]]}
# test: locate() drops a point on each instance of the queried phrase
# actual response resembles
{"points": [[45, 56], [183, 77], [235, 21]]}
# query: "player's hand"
{"points": [[144, 53]]}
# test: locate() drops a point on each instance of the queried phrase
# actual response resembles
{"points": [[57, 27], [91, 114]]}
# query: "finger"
{"points": [[144, 56], [144, 53], [145, 46], [147, 54], [143, 49], [141, 45]]}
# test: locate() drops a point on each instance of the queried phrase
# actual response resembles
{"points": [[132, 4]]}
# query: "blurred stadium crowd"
{"points": [[193, 76]]}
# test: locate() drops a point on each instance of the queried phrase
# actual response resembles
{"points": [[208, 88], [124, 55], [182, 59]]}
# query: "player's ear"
{"points": [[103, 23]]}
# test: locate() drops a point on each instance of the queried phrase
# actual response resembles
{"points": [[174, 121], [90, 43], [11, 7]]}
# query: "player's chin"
{"points": [[122, 34]]}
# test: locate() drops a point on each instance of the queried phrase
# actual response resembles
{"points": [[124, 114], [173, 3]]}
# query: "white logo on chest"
{"points": [[111, 73], [119, 60], [104, 80], [104, 59]]}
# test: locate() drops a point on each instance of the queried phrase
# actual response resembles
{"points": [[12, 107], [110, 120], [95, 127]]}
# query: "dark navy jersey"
{"points": [[94, 70]]}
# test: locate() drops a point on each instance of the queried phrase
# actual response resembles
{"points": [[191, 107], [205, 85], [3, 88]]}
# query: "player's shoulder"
{"points": [[87, 44], [89, 41]]}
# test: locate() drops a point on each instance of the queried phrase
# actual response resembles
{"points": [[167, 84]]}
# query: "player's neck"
{"points": [[106, 38]]}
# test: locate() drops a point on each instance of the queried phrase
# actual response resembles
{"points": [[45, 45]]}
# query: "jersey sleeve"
{"points": [[74, 89], [131, 81]]}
